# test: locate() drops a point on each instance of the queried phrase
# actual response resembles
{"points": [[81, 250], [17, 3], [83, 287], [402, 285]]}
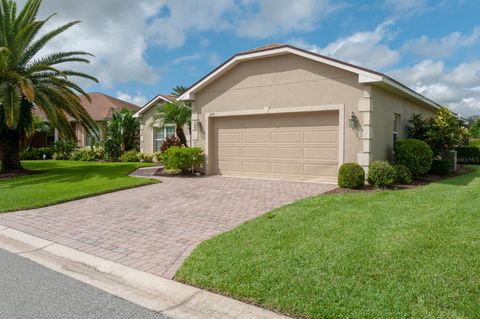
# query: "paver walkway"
{"points": [[153, 228]]}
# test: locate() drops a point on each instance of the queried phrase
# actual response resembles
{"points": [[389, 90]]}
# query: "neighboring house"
{"points": [[285, 113], [151, 134], [100, 109]]}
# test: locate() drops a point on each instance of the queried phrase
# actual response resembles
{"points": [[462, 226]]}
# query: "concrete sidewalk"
{"points": [[159, 294]]}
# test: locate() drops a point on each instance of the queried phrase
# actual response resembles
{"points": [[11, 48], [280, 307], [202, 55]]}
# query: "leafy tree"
{"points": [[444, 132], [27, 80], [122, 133], [179, 90], [176, 113], [475, 128], [419, 127]]}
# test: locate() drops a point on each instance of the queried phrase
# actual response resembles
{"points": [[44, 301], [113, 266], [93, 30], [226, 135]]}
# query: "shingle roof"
{"points": [[100, 107]]}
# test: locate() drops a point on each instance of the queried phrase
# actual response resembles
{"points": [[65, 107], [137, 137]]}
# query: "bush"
{"points": [[157, 156], [145, 157], [170, 141], [402, 174], [88, 155], [184, 159], [416, 155], [129, 156], [351, 175], [62, 150], [36, 153], [381, 174], [441, 167], [468, 155]]}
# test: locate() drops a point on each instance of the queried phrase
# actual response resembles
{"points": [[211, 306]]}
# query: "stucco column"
{"points": [[365, 109]]}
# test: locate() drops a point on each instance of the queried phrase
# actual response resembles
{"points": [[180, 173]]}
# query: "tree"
{"points": [[176, 113], [419, 127], [122, 133], [179, 90], [27, 80], [475, 128], [444, 132]]}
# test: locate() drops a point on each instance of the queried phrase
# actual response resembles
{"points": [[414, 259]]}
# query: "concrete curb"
{"points": [[169, 297]]}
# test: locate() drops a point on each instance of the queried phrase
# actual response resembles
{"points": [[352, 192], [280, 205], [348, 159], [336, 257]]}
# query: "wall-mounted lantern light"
{"points": [[353, 120]]}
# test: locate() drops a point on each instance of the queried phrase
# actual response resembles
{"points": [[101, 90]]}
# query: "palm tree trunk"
{"points": [[181, 135], [10, 152]]}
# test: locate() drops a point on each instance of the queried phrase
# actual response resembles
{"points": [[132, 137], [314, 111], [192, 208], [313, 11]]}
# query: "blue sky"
{"points": [[148, 47]]}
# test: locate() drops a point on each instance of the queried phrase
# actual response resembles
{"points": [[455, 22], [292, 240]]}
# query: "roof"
{"points": [[366, 76], [160, 98], [100, 107]]}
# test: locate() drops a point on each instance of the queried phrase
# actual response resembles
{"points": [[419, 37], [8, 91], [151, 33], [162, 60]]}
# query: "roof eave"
{"points": [[149, 104]]}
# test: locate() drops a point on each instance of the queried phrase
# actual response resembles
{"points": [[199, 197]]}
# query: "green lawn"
{"points": [[475, 142], [391, 254], [65, 180]]}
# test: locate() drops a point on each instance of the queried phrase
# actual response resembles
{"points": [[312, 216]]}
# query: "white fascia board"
{"points": [[372, 77], [147, 106]]}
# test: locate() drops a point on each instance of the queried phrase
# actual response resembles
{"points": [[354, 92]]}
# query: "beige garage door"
{"points": [[296, 146]]}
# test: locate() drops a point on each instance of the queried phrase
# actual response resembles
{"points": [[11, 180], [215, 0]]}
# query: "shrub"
{"points": [[416, 155], [129, 156], [381, 174], [441, 167], [468, 155], [157, 156], [184, 159], [402, 174], [88, 155], [170, 141], [351, 175], [62, 150], [146, 157], [36, 153]]}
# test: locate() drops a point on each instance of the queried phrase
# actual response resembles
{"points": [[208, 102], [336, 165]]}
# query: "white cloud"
{"points": [[368, 48], [274, 17], [138, 99], [442, 47], [405, 7], [457, 87]]}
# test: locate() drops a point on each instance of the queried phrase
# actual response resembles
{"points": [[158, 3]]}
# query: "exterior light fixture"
{"points": [[353, 120]]}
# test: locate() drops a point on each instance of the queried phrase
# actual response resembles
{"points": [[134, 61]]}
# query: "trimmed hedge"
{"points": [[351, 175], [468, 155], [414, 154], [185, 159], [402, 174], [129, 156], [36, 153], [381, 174], [441, 167]]}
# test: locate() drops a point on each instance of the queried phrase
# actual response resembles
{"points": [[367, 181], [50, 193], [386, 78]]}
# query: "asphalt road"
{"points": [[28, 290]]}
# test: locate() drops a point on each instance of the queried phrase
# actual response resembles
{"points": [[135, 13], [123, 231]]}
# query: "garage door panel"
{"points": [[256, 137], [286, 137], [301, 146]]}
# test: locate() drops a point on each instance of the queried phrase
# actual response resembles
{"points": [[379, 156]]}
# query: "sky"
{"points": [[146, 47]]}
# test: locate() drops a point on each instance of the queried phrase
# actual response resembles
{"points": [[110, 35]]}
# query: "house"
{"points": [[152, 135], [100, 108], [282, 112]]}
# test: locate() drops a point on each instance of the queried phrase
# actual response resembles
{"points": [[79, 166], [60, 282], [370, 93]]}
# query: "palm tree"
{"points": [[122, 133], [179, 90], [27, 81], [174, 113]]}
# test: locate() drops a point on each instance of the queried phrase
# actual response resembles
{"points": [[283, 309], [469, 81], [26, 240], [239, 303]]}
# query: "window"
{"points": [[160, 134], [92, 140], [396, 127]]}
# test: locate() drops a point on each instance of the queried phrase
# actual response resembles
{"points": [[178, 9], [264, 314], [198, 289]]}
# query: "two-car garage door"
{"points": [[296, 146]]}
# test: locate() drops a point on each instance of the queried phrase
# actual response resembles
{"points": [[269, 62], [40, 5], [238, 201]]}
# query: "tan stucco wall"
{"points": [[384, 105], [285, 81]]}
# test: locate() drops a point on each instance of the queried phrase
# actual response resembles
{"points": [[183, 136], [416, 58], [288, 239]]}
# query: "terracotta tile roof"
{"points": [[101, 106]]}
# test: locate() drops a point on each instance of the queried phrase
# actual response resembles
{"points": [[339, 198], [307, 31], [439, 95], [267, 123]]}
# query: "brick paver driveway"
{"points": [[153, 228]]}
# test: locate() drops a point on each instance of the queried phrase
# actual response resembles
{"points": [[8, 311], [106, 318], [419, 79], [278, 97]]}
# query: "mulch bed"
{"points": [[416, 183], [165, 173], [18, 173]]}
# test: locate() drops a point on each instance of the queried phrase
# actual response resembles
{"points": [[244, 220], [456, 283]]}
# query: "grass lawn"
{"points": [[475, 142], [391, 254], [65, 180]]}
